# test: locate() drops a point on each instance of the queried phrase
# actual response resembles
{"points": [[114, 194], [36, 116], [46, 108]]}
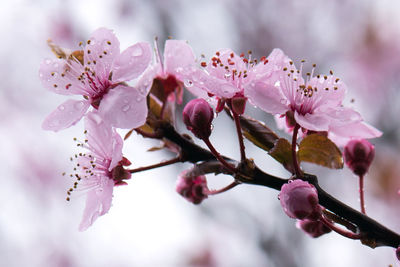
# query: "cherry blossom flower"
{"points": [[101, 169], [171, 70], [227, 75], [315, 103], [98, 74]]}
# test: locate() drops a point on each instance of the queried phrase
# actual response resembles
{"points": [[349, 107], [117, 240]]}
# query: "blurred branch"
{"points": [[373, 233]]}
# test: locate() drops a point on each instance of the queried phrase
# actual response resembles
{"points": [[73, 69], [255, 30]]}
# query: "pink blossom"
{"points": [[172, 69], [100, 169], [98, 74], [227, 75], [315, 103]]}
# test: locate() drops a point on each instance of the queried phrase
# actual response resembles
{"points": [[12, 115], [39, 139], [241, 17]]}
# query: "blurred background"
{"points": [[149, 224]]}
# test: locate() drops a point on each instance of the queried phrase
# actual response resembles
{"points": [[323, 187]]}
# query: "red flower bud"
{"points": [[299, 199], [313, 228], [358, 155], [197, 116], [193, 189]]}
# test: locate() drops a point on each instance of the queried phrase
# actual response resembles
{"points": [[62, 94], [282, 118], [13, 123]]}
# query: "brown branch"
{"points": [[373, 233]]}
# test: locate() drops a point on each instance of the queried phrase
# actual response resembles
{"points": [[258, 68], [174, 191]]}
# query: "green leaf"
{"points": [[257, 133], [318, 149], [282, 152]]}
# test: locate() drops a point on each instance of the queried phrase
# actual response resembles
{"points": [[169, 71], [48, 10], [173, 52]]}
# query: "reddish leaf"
{"points": [[318, 149]]}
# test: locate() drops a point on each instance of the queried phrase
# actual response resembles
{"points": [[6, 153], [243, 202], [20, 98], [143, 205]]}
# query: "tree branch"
{"points": [[373, 233]]}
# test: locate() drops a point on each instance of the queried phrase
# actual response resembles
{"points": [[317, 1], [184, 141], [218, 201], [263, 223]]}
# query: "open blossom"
{"points": [[315, 103], [101, 168], [227, 75], [98, 74], [171, 69]]}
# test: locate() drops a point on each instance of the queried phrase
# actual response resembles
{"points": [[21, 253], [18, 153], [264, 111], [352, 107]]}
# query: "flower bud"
{"points": [[313, 228], [299, 199], [358, 155], [398, 253], [193, 189], [197, 116]]}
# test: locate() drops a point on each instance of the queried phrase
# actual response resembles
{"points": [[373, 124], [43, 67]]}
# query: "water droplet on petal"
{"points": [[188, 83], [227, 75], [179, 69], [125, 108], [138, 99], [61, 107], [137, 51], [48, 61]]}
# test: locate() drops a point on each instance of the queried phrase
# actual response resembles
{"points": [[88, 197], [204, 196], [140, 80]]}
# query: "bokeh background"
{"points": [[149, 224]]}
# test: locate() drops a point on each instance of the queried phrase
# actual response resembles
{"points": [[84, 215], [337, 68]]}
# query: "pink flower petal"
{"points": [[271, 70], [178, 56], [132, 62], [102, 48], [98, 203], [124, 107], [66, 115], [117, 145], [54, 77], [99, 135], [359, 130], [218, 87], [332, 97], [267, 97], [314, 122]]}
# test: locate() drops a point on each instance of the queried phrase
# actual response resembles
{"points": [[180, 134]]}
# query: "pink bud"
{"points": [[313, 228], [197, 116], [398, 253], [358, 155], [299, 199], [193, 189]]}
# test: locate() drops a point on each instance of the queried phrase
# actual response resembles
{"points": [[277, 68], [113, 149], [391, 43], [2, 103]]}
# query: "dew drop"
{"points": [[61, 107], [227, 75], [125, 108], [138, 99], [137, 51], [188, 83], [179, 69]]}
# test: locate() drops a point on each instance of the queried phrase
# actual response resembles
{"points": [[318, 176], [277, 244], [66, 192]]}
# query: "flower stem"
{"points": [[361, 190], [154, 166], [224, 189], [294, 154], [338, 230], [240, 136], [227, 165]]}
